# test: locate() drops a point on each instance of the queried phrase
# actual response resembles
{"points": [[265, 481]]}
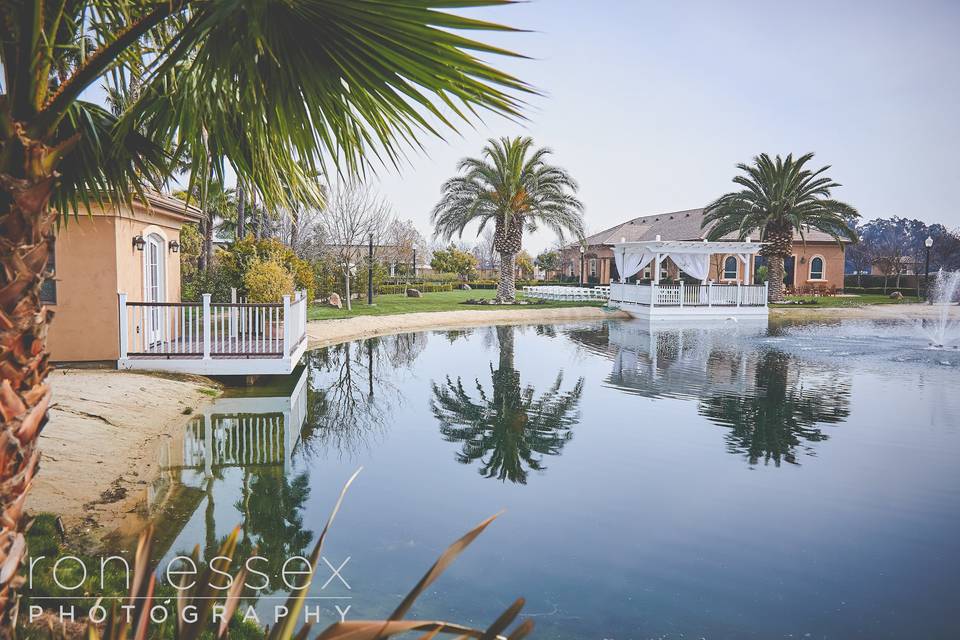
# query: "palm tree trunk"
{"points": [[208, 242], [241, 213], [26, 237], [775, 278], [507, 286]]}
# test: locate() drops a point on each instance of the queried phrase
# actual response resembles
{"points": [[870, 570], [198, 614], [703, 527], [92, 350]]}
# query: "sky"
{"points": [[650, 105]]}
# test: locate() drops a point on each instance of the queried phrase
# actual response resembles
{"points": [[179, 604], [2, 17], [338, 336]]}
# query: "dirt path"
{"points": [[97, 449], [323, 333]]}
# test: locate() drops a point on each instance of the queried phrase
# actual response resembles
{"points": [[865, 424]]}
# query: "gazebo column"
{"points": [[656, 268]]}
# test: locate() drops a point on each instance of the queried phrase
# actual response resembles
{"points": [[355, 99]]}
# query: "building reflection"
{"points": [[507, 429], [236, 455], [774, 404]]}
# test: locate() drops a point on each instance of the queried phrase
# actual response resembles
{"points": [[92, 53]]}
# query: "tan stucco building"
{"points": [[131, 249], [816, 264]]}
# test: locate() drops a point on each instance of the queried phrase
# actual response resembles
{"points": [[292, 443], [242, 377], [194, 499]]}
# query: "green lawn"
{"points": [[838, 301], [441, 301]]}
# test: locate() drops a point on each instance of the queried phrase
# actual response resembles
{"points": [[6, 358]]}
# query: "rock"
{"points": [[334, 301], [896, 295], [414, 293], [466, 287]]}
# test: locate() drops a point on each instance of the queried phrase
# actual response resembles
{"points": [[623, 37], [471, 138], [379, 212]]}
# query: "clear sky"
{"points": [[650, 104]]}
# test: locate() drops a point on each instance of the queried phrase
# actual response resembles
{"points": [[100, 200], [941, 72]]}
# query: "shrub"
{"points": [[268, 281]]}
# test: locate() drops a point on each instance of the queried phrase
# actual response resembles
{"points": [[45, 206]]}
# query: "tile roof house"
{"points": [[817, 261]]}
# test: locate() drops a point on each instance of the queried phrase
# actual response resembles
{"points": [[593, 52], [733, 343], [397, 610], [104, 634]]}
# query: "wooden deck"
{"points": [[234, 338]]}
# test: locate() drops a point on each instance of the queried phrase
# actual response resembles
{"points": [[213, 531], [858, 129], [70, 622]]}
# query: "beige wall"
{"points": [[95, 260], [833, 258]]}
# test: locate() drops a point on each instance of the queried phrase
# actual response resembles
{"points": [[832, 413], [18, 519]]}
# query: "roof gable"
{"points": [[675, 225]]}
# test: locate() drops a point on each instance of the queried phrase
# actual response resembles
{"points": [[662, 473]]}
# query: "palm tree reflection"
{"points": [[508, 430], [782, 412]]}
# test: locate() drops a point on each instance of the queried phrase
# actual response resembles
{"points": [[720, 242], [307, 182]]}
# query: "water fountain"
{"points": [[943, 295]]}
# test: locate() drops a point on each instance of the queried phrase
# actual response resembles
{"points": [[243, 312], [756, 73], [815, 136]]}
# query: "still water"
{"points": [[797, 481]]}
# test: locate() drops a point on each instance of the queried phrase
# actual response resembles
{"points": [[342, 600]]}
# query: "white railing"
{"points": [[690, 295], [554, 292], [210, 330], [632, 293]]}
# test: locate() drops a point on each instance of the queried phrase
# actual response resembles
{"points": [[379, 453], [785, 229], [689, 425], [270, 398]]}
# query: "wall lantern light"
{"points": [[139, 242], [174, 246]]}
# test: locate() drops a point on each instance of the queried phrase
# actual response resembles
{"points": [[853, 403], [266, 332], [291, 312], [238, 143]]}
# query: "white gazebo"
{"points": [[739, 298]]}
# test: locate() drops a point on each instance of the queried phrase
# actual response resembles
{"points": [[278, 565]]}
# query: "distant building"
{"points": [[816, 263]]}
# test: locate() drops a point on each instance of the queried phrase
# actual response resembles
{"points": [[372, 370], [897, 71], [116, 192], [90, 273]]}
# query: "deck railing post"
{"points": [[206, 326], [738, 294], [233, 313], [766, 292], [122, 299], [710, 293], [286, 326], [681, 293]]}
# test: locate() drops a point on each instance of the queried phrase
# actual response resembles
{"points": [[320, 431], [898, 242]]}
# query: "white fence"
{"points": [[690, 295], [546, 292], [211, 330]]}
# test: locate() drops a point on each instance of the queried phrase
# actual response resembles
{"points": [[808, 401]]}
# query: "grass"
{"points": [[843, 301], [441, 301]]}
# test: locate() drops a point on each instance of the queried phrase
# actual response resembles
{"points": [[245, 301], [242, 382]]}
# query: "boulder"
{"points": [[334, 301], [414, 293], [896, 295], [466, 287]]}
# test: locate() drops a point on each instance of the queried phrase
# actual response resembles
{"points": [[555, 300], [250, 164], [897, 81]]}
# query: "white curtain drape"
{"points": [[630, 262], [696, 265]]}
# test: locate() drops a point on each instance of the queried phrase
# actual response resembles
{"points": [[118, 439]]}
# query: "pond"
{"points": [[726, 482]]}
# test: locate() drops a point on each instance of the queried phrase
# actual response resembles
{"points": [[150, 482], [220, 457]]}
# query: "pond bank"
{"points": [[901, 311], [97, 449], [322, 333]]}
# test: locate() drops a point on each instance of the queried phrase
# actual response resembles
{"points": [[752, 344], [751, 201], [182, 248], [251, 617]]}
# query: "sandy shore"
{"points": [[903, 311], [97, 449], [323, 333], [326, 332]]}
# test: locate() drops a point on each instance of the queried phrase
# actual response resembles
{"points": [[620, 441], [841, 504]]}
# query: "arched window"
{"points": [[816, 268], [730, 268]]}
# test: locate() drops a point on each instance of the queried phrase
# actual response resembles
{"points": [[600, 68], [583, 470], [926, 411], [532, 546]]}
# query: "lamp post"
{"points": [[583, 250], [926, 270], [370, 271]]}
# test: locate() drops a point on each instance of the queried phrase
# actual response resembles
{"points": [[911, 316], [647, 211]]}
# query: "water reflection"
{"points": [[508, 429], [242, 447], [773, 402], [351, 391]]}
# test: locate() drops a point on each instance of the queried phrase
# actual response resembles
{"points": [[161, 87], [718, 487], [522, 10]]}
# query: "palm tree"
{"points": [[272, 88], [780, 197], [508, 430], [781, 415], [511, 185]]}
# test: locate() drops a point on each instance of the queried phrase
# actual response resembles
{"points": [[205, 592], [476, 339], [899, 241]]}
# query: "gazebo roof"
{"points": [[690, 246]]}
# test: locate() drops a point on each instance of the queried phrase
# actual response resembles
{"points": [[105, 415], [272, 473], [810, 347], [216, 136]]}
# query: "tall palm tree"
{"points": [[269, 87], [771, 422], [510, 429], [511, 185], [779, 197]]}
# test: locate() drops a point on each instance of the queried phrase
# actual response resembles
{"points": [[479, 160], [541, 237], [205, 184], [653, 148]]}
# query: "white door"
{"points": [[154, 289]]}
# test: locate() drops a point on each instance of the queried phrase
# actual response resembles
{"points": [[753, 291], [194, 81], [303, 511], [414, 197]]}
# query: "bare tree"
{"points": [[353, 212], [404, 242], [486, 255]]}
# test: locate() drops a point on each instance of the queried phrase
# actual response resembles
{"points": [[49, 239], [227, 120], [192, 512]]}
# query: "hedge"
{"points": [[390, 289]]}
